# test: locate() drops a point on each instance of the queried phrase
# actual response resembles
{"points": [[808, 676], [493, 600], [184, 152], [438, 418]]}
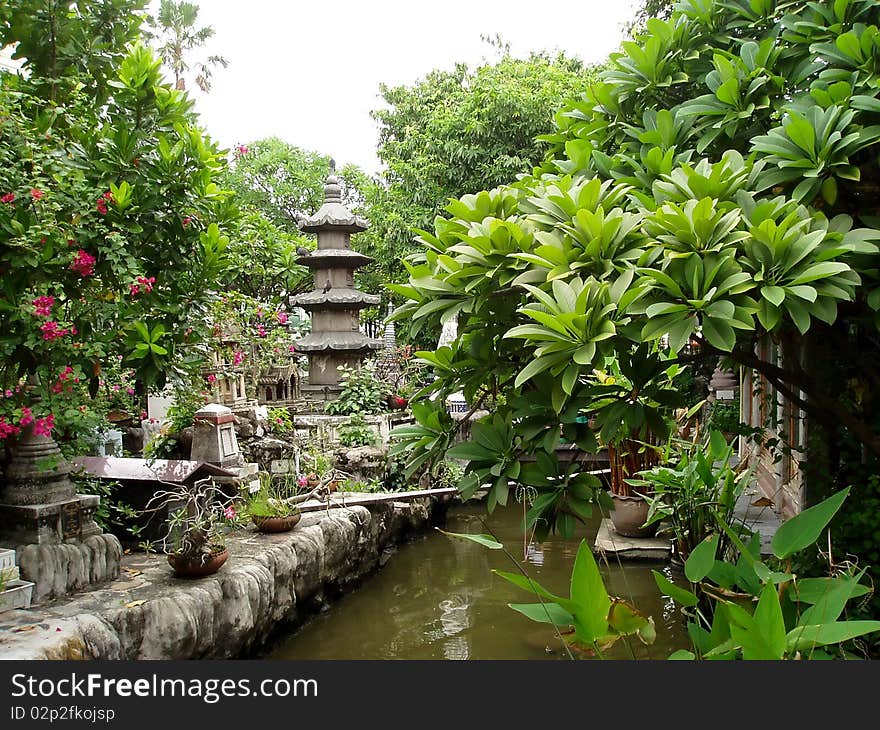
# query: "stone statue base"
{"points": [[51, 523], [61, 569]]}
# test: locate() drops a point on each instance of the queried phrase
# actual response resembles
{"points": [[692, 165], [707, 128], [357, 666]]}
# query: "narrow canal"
{"points": [[437, 598]]}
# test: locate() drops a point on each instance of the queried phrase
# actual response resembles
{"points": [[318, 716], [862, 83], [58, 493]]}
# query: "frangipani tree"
{"points": [[718, 184]]}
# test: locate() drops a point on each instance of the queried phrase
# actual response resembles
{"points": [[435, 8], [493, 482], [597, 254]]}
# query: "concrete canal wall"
{"points": [[270, 583]]}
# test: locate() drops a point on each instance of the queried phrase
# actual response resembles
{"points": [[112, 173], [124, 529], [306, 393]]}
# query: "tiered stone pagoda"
{"points": [[334, 304]]}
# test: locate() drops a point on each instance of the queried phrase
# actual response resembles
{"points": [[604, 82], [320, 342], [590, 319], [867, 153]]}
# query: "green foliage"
{"points": [[113, 514], [453, 132], [714, 189], [749, 610], [357, 432], [695, 490], [280, 421], [268, 500], [362, 391], [598, 620], [113, 214], [724, 416]]}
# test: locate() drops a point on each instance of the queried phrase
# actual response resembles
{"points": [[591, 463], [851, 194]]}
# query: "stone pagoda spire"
{"points": [[334, 304]]}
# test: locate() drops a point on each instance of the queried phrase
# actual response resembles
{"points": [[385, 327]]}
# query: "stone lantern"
{"points": [[334, 304]]}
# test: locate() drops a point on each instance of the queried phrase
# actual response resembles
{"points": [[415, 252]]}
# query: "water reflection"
{"points": [[437, 598]]}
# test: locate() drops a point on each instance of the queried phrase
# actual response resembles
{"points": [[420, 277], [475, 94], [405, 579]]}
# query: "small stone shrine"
{"points": [[228, 385], [334, 304]]}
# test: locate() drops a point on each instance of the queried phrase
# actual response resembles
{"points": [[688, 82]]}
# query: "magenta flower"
{"points": [[8, 394], [261, 331], [7, 429], [27, 417], [186, 221], [43, 306], [36, 194], [237, 357], [281, 317], [44, 426], [8, 198], [212, 378], [52, 331], [301, 480], [83, 263], [229, 513]]}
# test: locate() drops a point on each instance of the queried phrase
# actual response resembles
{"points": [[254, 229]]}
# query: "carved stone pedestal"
{"points": [[42, 515]]}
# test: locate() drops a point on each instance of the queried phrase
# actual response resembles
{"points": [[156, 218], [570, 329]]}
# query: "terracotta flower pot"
{"points": [[267, 523], [628, 516], [186, 566]]}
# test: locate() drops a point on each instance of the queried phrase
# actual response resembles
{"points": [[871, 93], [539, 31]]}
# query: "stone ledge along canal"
{"points": [[437, 598]]}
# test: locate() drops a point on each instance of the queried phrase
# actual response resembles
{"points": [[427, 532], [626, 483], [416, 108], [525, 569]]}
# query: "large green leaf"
{"points": [[485, 540], [589, 595], [678, 594], [545, 613], [804, 529], [701, 560]]}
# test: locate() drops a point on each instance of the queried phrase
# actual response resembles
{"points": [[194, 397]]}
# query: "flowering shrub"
{"points": [[110, 238], [262, 333]]}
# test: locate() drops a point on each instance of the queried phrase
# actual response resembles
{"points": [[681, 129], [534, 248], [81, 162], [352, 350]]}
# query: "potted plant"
{"points": [[631, 402], [695, 491], [270, 507], [197, 515]]}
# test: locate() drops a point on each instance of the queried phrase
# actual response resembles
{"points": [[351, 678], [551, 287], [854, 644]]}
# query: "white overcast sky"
{"points": [[309, 72]]}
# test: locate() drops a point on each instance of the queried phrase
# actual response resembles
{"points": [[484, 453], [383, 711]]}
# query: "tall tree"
{"points": [[178, 35], [456, 131], [276, 183], [61, 43], [719, 182]]}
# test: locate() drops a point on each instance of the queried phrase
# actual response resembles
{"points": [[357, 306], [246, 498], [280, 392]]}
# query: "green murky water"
{"points": [[437, 598]]}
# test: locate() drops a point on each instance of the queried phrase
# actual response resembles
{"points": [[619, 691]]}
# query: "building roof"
{"points": [[119, 468]]}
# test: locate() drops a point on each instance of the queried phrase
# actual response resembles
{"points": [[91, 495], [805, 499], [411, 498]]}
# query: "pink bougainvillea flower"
{"points": [[7, 429], [301, 480], [83, 263], [237, 357], [212, 378], [147, 283], [101, 204], [261, 331], [43, 306], [281, 317], [130, 391], [27, 417], [229, 513], [8, 393], [57, 386], [37, 194], [51, 330], [186, 221], [240, 149], [8, 198], [44, 426]]}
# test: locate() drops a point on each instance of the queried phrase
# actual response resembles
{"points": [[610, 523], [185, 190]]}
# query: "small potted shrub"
{"points": [[195, 542], [632, 402], [271, 508]]}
